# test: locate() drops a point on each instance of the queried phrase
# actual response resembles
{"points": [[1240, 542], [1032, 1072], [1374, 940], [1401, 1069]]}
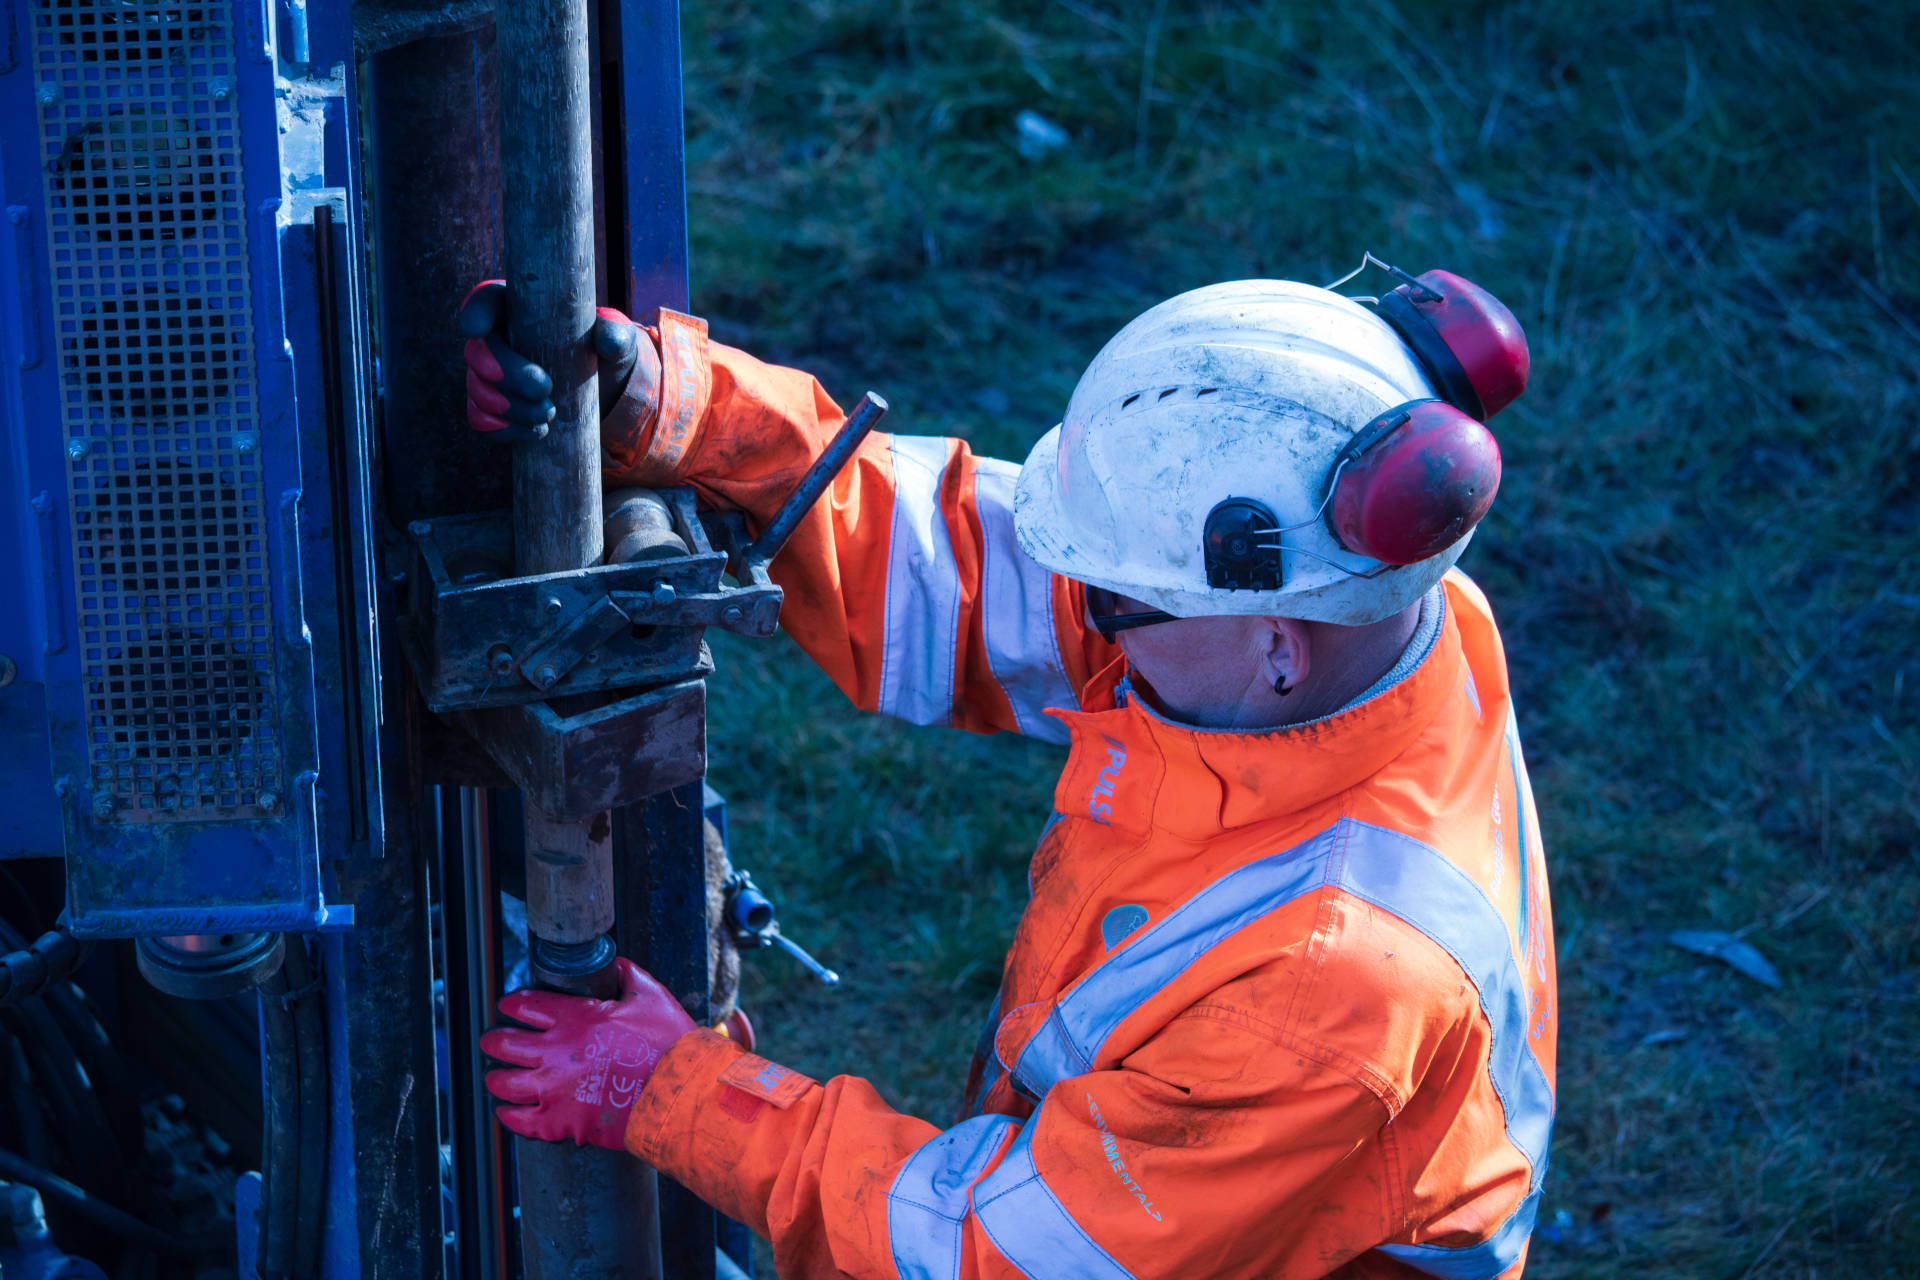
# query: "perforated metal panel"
{"points": [[147, 258]]}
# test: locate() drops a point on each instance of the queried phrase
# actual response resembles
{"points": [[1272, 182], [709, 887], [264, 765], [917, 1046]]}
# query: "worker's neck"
{"points": [[1348, 661]]}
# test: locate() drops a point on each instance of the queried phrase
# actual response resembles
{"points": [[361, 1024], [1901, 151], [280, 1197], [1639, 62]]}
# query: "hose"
{"points": [[26, 972], [125, 1225], [78, 1121], [25, 1104], [105, 1071]]}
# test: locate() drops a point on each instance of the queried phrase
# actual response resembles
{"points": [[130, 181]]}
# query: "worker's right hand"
{"points": [[581, 1069], [508, 395]]}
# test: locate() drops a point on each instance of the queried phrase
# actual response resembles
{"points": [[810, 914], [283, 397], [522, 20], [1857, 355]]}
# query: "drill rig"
{"points": [[308, 698]]}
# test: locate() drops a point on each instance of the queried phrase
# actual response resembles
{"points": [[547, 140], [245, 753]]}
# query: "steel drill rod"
{"points": [[856, 428], [577, 1204], [546, 168]]}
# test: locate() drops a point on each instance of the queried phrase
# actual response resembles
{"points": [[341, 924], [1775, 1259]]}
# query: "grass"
{"points": [[1703, 556]]}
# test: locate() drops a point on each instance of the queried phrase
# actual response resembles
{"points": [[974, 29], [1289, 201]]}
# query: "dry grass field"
{"points": [[1704, 557]]}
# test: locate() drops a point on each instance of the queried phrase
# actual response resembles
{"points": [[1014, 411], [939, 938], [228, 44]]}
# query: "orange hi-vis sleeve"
{"points": [[1281, 1007], [904, 583]]}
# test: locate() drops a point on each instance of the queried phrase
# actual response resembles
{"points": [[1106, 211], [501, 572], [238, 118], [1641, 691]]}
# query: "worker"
{"points": [[1282, 1001]]}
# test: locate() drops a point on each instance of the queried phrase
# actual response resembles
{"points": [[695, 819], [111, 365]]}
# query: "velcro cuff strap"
{"points": [[768, 1081], [686, 385]]}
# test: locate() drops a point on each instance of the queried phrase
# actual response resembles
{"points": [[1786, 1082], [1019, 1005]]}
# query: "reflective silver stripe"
{"points": [[1522, 802], [1031, 1228], [1473, 692], [1416, 883], [1093, 1007], [1484, 1261], [1016, 597], [1399, 874], [1394, 872], [928, 1199], [923, 589]]}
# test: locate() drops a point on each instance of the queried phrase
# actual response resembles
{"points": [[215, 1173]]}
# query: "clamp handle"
{"points": [[856, 428], [750, 918]]}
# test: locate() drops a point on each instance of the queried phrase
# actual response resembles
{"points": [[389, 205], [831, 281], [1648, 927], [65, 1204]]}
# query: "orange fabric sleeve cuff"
{"points": [[715, 1118], [646, 443]]}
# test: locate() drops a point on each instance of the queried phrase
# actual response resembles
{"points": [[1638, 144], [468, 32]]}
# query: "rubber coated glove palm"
{"points": [[582, 1067], [508, 395]]}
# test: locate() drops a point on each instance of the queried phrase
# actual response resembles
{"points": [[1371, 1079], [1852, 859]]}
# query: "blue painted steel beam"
{"points": [[653, 202]]}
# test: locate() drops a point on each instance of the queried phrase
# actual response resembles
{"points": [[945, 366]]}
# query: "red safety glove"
{"points": [[582, 1069], [508, 395]]}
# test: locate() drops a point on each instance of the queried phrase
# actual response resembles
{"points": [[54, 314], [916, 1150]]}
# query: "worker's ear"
{"points": [[1287, 653]]}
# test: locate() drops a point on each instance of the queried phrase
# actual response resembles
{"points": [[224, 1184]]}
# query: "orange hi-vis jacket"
{"points": [[1282, 1004]]}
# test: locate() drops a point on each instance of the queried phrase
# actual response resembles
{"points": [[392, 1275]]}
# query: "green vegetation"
{"points": [[1704, 554]]}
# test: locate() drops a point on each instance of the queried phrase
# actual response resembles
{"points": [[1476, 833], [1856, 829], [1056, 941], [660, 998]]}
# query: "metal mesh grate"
{"points": [[148, 258], [139, 175]]}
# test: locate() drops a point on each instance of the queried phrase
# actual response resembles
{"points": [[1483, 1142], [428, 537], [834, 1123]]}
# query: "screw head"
{"points": [[222, 89], [48, 94], [245, 442], [546, 675], [77, 449], [553, 604], [103, 804], [267, 800]]}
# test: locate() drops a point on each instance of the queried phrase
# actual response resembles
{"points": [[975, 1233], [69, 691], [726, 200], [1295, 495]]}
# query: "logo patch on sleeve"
{"points": [[768, 1081]]}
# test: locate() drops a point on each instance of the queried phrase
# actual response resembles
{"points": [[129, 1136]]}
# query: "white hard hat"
{"points": [[1247, 390]]}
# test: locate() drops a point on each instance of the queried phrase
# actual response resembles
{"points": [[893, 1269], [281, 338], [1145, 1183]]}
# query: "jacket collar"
{"points": [[1135, 770]]}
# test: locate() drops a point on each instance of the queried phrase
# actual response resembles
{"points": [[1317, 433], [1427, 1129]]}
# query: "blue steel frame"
{"points": [[653, 127], [259, 868]]}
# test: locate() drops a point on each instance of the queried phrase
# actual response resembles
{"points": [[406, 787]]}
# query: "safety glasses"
{"points": [[1111, 613]]}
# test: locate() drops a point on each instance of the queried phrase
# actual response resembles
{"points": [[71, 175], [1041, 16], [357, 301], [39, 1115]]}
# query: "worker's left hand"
{"points": [[582, 1068], [509, 396]]}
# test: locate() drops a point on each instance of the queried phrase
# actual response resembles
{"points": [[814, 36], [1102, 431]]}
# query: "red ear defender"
{"points": [[1465, 339], [1413, 481]]}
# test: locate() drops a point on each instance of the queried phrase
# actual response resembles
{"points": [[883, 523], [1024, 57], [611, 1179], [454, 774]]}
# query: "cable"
{"points": [[122, 1224]]}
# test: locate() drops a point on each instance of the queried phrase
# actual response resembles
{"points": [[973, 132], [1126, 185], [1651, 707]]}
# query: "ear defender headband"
{"points": [[1416, 479]]}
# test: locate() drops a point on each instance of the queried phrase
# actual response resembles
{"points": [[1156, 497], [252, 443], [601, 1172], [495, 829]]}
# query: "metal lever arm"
{"points": [[856, 428]]}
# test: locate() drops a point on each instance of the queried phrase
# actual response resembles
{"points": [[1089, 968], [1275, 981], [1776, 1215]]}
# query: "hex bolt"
{"points": [[663, 593], [244, 442], [546, 675], [268, 800], [732, 615], [48, 94], [500, 660], [77, 449], [103, 804], [420, 528], [222, 89]]}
